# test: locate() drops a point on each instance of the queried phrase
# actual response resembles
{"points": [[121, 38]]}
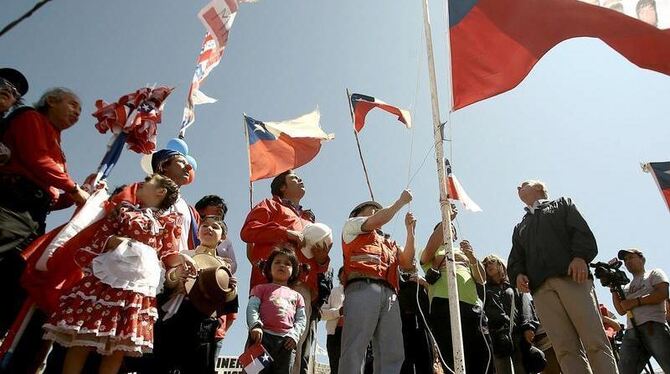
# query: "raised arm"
{"points": [[406, 254], [384, 216], [434, 242]]}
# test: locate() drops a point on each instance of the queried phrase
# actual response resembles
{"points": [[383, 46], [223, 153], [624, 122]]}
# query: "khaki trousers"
{"points": [[569, 313]]}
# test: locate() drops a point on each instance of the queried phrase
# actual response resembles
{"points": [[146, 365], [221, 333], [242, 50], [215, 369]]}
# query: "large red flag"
{"points": [[495, 43]]}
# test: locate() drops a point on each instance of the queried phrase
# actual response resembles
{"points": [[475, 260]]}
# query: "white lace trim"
{"points": [[95, 300], [105, 344]]}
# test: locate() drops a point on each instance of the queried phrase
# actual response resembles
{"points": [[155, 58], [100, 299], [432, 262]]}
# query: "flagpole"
{"points": [[251, 183], [358, 144], [445, 206]]}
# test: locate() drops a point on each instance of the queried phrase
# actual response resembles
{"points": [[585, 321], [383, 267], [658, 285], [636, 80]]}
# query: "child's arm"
{"points": [[254, 319]]}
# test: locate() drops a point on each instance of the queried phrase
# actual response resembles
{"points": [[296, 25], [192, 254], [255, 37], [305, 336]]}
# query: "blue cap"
{"points": [[164, 154]]}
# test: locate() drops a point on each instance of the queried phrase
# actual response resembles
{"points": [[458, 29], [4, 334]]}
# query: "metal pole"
{"points": [[445, 206], [358, 143]]}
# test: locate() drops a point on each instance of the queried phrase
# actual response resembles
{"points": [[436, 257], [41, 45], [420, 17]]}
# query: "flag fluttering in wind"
{"points": [[217, 17], [255, 359], [661, 173], [275, 147], [495, 44], [456, 192], [362, 104], [209, 58]]}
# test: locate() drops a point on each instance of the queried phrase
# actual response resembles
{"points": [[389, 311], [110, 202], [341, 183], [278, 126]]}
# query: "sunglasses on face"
{"points": [[7, 85]]}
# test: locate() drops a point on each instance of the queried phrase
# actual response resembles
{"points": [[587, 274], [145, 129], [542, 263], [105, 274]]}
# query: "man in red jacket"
{"points": [[279, 220], [33, 182]]}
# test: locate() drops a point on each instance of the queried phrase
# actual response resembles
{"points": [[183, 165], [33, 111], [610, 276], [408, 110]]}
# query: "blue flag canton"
{"points": [[662, 172], [265, 359], [459, 9], [355, 98], [257, 131]]}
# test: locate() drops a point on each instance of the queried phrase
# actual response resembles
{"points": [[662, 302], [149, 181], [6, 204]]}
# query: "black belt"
{"points": [[369, 281]]}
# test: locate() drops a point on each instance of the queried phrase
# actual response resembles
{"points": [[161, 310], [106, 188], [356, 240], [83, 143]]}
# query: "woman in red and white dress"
{"points": [[113, 308]]}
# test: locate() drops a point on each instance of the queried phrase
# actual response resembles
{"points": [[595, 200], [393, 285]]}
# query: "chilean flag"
{"points": [[495, 43], [275, 147], [661, 173], [255, 359], [456, 192], [362, 104]]}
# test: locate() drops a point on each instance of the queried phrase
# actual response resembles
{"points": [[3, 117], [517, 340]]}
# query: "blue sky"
{"points": [[582, 120]]}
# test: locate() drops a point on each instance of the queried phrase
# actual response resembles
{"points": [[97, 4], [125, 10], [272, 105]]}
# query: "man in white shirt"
{"points": [[645, 297]]}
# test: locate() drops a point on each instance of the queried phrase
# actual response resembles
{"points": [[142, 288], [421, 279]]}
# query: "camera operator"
{"points": [[645, 297]]}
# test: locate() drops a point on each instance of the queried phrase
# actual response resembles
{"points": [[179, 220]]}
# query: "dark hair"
{"points": [[217, 219], [499, 263], [172, 190], [285, 250], [211, 200], [118, 189], [453, 230], [278, 183], [339, 272]]}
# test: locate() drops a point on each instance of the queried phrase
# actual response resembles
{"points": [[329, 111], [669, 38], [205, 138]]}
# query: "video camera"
{"points": [[609, 274]]}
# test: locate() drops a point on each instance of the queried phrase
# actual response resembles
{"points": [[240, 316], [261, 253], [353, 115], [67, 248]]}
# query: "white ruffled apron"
{"points": [[132, 266]]}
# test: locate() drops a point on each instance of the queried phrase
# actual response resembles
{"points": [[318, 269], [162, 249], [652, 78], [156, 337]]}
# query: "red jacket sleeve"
{"points": [[36, 149], [64, 201], [260, 226]]}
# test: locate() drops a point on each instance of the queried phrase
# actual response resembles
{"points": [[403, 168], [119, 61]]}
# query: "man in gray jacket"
{"points": [[551, 249]]}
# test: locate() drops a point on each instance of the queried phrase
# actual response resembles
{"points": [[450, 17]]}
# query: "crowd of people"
{"points": [[148, 284]]}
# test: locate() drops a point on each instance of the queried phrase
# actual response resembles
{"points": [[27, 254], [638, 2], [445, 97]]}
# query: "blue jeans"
{"points": [[656, 337]]}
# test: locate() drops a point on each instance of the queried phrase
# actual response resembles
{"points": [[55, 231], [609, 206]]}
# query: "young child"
{"points": [[187, 341], [113, 308], [276, 313]]}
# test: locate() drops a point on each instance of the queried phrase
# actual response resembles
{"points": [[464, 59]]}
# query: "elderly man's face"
{"points": [[177, 169], [529, 193], [8, 95], [64, 111]]}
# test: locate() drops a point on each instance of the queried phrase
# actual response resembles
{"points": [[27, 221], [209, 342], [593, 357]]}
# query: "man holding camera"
{"points": [[645, 298], [551, 248]]}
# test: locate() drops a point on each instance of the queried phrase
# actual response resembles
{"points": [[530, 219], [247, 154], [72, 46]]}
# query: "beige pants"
{"points": [[569, 313]]}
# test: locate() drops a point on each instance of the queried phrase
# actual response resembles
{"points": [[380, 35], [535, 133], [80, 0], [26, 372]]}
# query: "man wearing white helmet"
{"points": [[371, 281]]}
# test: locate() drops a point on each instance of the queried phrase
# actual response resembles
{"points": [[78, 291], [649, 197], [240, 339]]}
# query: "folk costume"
{"points": [[113, 307]]}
